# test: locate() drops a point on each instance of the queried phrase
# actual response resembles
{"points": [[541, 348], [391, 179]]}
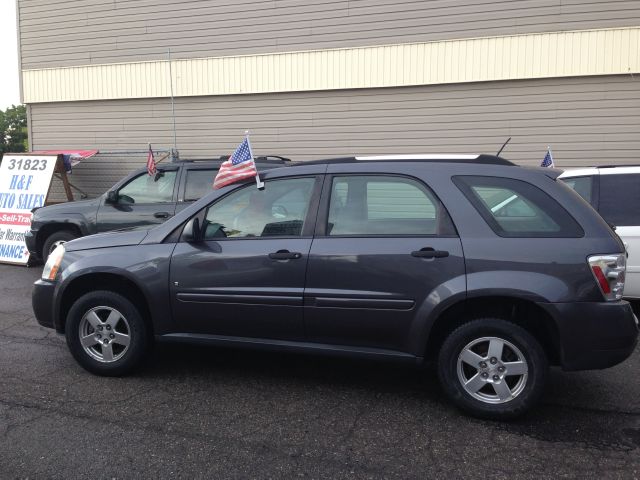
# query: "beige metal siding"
{"points": [[540, 55], [586, 121], [80, 32]]}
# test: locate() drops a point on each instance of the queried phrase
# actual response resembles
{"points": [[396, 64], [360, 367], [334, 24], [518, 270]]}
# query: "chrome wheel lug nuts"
{"points": [[100, 327], [105, 341], [493, 360], [98, 336], [108, 327], [483, 364], [496, 377], [111, 335], [485, 375], [501, 369]]}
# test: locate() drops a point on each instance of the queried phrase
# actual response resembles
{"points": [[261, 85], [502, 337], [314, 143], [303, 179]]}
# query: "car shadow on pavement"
{"points": [[569, 413], [286, 368]]}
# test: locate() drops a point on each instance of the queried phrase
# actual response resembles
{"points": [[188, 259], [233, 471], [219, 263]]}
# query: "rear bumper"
{"points": [[594, 335], [42, 298]]}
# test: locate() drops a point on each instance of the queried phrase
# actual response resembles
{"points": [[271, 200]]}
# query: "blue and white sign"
{"points": [[24, 184]]}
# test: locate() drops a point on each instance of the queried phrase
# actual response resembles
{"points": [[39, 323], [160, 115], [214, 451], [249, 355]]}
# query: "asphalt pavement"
{"points": [[196, 412]]}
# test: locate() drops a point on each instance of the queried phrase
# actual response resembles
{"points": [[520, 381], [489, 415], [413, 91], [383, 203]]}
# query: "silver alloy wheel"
{"points": [[104, 334], [492, 370]]}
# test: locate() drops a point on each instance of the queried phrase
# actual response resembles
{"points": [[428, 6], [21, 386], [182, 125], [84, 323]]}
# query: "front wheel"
{"points": [[54, 240], [106, 333], [492, 368]]}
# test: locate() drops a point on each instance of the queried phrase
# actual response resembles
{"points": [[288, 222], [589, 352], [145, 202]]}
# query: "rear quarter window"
{"points": [[514, 208]]}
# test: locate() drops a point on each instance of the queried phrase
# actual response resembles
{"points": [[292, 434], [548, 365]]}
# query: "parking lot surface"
{"points": [[196, 412]]}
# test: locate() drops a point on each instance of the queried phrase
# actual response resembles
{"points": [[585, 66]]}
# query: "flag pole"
{"points": [[173, 106], [259, 183]]}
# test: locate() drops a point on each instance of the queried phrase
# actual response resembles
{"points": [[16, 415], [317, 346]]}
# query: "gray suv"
{"points": [[490, 270]]}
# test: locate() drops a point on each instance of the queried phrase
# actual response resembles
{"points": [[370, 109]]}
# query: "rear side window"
{"points": [[514, 208], [620, 199], [582, 186], [199, 183], [380, 205]]}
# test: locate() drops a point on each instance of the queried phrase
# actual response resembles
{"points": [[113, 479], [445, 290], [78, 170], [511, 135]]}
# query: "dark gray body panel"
{"points": [[147, 268]]}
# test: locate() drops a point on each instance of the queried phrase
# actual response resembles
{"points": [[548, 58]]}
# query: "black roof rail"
{"points": [[262, 158], [475, 159], [222, 158]]}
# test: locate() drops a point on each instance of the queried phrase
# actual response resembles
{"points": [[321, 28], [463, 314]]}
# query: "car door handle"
{"points": [[161, 214], [429, 252], [284, 255]]}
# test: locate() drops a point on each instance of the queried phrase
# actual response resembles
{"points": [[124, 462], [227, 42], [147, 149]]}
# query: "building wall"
{"points": [[59, 33], [586, 121], [459, 76]]}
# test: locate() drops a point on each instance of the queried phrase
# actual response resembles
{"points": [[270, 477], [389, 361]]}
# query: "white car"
{"points": [[615, 193]]}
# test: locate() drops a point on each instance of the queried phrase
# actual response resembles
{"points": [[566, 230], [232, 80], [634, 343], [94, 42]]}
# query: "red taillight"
{"points": [[608, 271], [604, 285]]}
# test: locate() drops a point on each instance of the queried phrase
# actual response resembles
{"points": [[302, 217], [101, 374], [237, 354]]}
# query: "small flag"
{"points": [[548, 159], [151, 162], [239, 166]]}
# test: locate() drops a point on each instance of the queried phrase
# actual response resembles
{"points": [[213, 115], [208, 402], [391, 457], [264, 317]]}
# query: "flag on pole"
{"points": [[151, 162], [239, 166], [548, 159]]}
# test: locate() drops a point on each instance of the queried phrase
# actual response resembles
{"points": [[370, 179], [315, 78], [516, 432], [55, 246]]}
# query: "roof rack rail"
{"points": [[445, 158], [222, 158], [616, 166], [261, 158], [428, 156]]}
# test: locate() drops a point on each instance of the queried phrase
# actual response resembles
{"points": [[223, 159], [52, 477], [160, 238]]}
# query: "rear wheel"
{"points": [[492, 368], [106, 334], [55, 239]]}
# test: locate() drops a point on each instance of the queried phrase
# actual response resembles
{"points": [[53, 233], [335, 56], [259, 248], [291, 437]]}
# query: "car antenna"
{"points": [[502, 148]]}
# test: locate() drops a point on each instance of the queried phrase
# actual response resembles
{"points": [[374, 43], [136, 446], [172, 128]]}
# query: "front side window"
{"points": [[146, 189], [199, 183], [514, 208], [620, 199], [379, 205], [278, 210]]}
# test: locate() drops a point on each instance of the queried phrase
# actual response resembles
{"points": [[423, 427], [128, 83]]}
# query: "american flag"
{"points": [[151, 162], [239, 166], [548, 160]]}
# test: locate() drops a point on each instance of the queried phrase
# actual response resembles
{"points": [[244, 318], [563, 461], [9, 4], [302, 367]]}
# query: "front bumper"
{"points": [[30, 242], [42, 300], [594, 335]]}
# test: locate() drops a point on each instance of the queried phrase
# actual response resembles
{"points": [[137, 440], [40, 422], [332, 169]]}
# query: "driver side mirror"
{"points": [[112, 196], [192, 232]]}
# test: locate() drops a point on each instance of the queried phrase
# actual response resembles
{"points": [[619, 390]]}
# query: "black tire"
{"points": [[124, 360], [528, 389], [56, 237]]}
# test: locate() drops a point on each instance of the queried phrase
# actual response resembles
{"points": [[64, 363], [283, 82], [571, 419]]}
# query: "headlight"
{"points": [[52, 266]]}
